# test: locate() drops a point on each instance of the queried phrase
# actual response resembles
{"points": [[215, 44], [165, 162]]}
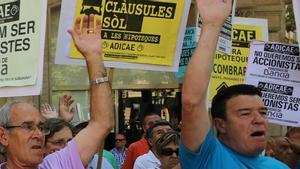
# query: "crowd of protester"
{"points": [[234, 136]]}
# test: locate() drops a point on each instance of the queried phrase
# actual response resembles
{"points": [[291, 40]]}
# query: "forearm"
{"points": [[95, 67], [102, 106], [101, 114], [195, 119], [101, 109], [87, 39], [200, 66]]}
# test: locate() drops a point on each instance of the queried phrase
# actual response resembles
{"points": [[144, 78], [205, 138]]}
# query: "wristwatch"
{"points": [[99, 80]]}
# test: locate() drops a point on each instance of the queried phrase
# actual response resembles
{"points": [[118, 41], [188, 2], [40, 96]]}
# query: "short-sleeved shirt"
{"points": [[147, 161], [135, 150], [119, 155], [213, 154], [67, 157], [110, 158]]}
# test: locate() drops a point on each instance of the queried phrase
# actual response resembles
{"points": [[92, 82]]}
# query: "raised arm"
{"points": [[88, 41], [195, 118]]}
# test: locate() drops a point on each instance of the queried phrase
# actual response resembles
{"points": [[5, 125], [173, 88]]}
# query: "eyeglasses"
{"points": [[119, 140], [169, 151], [60, 142], [29, 126]]}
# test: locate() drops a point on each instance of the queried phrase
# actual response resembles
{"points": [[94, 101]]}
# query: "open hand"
{"points": [[66, 111], [88, 38], [214, 12], [48, 112]]}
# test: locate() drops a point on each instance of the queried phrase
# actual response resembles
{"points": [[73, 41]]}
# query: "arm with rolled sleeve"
{"points": [[88, 42], [195, 118]]}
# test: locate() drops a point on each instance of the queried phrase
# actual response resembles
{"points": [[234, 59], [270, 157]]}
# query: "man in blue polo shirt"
{"points": [[238, 113]]}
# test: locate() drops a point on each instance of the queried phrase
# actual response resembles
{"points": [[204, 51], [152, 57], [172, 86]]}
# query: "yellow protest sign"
{"points": [[231, 69], [135, 31]]}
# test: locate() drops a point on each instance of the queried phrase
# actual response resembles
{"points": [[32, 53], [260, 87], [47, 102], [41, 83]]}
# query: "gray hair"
{"points": [[5, 111], [165, 139]]}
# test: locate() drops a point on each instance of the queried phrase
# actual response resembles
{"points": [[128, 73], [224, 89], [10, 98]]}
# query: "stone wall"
{"points": [[273, 10]]}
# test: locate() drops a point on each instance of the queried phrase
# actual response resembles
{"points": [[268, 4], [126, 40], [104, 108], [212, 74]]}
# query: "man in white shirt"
{"points": [[150, 160]]}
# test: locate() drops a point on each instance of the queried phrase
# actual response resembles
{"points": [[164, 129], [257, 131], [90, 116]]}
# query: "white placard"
{"points": [[296, 5], [25, 23], [275, 69]]}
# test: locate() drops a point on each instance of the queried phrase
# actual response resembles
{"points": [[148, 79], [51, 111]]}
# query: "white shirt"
{"points": [[147, 161]]}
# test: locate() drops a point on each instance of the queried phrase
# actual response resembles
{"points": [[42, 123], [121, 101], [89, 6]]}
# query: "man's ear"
{"points": [[3, 136], [150, 141], [220, 125]]}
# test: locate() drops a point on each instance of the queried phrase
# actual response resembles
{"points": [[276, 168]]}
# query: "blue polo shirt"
{"points": [[215, 155]]}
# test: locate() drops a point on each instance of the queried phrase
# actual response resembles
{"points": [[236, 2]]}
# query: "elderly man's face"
{"points": [[24, 145]]}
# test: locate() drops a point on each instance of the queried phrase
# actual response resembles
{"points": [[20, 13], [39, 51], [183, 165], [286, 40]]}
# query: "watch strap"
{"points": [[99, 80]]}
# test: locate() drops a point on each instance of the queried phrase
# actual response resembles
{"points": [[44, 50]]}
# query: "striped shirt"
{"points": [[119, 155]]}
